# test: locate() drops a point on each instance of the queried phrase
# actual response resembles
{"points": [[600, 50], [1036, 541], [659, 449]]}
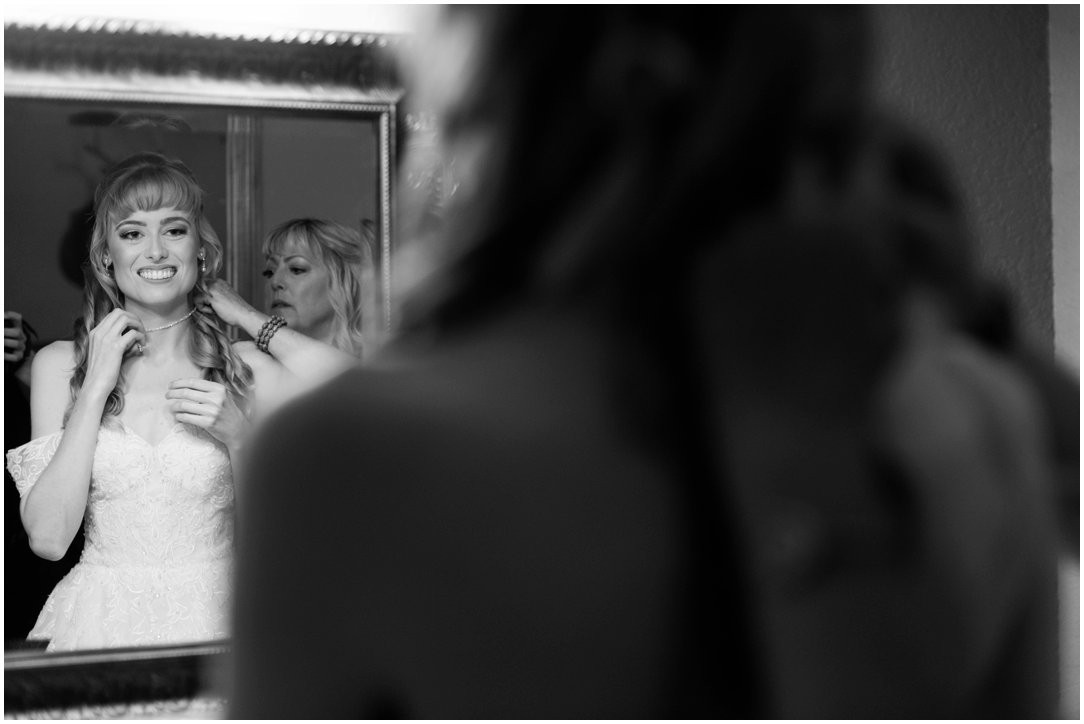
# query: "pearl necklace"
{"points": [[172, 324]]}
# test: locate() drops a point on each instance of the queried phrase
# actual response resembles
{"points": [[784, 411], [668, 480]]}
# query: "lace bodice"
{"points": [[158, 529], [164, 504]]}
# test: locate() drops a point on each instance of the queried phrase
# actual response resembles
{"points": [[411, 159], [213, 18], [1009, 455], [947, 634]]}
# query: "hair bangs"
{"points": [[301, 235], [158, 189]]}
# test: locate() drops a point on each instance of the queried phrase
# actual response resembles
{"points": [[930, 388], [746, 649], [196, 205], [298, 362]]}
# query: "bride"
{"points": [[137, 424]]}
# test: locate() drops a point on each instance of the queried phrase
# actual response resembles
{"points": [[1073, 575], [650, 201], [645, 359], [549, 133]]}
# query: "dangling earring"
{"points": [[108, 264], [202, 256]]}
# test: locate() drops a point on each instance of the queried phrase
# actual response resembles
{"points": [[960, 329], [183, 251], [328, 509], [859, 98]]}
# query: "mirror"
{"points": [[274, 126], [259, 168], [298, 125]]}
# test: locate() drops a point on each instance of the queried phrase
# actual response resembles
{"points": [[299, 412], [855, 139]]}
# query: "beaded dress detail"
{"points": [[155, 568]]}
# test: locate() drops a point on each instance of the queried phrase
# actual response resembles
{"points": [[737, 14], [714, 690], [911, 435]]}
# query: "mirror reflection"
{"points": [[56, 152], [258, 239]]}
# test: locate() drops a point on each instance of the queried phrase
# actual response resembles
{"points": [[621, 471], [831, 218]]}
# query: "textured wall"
{"points": [[1065, 156], [998, 88], [976, 78]]}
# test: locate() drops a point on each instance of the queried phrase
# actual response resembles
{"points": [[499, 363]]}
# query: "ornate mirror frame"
{"points": [[135, 62]]}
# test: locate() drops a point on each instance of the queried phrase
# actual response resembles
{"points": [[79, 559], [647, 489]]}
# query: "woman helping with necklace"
{"points": [[320, 284]]}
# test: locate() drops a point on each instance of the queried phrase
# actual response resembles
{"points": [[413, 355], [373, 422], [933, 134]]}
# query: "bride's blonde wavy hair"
{"points": [[147, 182]]}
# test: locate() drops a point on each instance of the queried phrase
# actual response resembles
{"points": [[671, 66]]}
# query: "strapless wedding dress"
{"points": [[156, 566]]}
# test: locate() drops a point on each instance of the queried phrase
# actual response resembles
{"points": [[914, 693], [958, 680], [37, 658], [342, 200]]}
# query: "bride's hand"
{"points": [[116, 336], [207, 404]]}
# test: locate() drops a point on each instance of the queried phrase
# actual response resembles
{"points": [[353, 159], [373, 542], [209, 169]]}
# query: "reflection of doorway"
{"points": [[55, 153]]}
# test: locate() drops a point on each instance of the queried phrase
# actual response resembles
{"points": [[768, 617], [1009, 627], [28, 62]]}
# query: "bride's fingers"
{"points": [[119, 324], [193, 407], [189, 419], [133, 341], [210, 399], [194, 383], [121, 318]]}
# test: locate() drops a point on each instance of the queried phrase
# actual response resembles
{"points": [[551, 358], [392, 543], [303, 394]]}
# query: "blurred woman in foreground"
{"points": [[547, 499]]}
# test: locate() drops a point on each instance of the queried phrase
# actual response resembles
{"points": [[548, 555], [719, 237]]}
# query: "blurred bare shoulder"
{"points": [[478, 485]]}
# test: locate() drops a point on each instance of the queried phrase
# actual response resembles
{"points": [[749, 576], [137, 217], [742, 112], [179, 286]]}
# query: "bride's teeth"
{"points": [[156, 274]]}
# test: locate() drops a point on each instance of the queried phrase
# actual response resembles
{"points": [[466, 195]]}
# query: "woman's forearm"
{"points": [[53, 509], [307, 359]]}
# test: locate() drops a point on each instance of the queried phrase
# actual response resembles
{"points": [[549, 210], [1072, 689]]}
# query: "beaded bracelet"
{"points": [[267, 331]]}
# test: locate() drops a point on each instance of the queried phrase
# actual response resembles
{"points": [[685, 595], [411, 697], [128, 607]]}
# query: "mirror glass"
{"points": [[301, 124]]}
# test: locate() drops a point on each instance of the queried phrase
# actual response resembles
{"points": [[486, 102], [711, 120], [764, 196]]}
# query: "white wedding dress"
{"points": [[155, 567]]}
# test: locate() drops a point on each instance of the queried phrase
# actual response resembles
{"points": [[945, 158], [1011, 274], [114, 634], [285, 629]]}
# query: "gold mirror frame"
{"points": [[136, 62]]}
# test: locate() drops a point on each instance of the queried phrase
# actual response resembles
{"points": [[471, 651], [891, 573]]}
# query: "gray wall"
{"points": [[1065, 158], [976, 77], [998, 87]]}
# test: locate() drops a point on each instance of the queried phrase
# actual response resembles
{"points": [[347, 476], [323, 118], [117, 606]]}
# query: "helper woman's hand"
{"points": [[230, 307]]}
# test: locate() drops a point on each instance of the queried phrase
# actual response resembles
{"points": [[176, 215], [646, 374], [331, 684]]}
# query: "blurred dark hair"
{"points": [[623, 141]]}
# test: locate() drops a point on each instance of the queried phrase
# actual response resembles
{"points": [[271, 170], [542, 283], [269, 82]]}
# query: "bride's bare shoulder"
{"points": [[56, 357]]}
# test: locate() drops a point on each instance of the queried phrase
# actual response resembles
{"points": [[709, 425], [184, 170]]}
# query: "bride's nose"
{"points": [[156, 250]]}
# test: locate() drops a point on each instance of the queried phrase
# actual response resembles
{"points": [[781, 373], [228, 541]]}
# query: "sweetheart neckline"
{"points": [[147, 442]]}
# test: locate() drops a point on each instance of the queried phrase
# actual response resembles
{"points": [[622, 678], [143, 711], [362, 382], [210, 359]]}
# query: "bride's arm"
{"points": [[52, 509]]}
